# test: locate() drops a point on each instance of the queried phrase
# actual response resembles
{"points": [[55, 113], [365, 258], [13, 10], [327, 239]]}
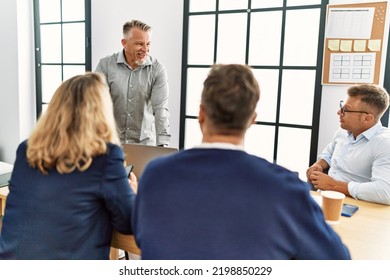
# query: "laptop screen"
{"points": [[5, 173], [140, 155], [4, 179]]}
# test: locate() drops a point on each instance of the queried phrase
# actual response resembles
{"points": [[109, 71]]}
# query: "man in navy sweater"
{"points": [[215, 201]]}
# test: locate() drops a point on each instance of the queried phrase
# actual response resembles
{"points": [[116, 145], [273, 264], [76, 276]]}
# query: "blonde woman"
{"points": [[69, 187]]}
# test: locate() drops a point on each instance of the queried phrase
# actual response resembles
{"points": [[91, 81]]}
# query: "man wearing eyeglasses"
{"points": [[358, 158]]}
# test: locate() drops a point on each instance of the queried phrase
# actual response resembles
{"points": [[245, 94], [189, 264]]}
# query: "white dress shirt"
{"points": [[219, 145], [363, 162]]}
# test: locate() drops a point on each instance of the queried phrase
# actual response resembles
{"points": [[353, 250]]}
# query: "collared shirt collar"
{"points": [[220, 145], [369, 133], [122, 59]]}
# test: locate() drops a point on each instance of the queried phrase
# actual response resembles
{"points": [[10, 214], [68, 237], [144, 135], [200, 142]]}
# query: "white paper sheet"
{"points": [[350, 23], [352, 67]]}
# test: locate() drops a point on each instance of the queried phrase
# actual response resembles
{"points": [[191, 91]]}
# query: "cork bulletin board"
{"points": [[353, 43]]}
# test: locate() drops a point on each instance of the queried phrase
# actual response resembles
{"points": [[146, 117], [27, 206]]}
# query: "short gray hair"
{"points": [[135, 24]]}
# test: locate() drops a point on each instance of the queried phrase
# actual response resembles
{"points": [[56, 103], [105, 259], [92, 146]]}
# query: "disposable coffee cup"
{"points": [[332, 204]]}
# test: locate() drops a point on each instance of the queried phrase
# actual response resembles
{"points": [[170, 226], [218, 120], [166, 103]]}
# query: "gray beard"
{"points": [[142, 62]]}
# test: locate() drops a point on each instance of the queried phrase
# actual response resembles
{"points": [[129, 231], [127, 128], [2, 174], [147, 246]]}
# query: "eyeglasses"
{"points": [[343, 110]]}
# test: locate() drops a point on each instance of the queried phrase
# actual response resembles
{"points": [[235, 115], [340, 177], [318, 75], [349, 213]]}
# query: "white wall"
{"points": [[332, 94], [8, 79], [166, 19], [26, 70], [17, 94]]}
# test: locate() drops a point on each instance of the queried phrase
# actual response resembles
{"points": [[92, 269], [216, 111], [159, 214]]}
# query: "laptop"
{"points": [[140, 155], [5, 173], [4, 179]]}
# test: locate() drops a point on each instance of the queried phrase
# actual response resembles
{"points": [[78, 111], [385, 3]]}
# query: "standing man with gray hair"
{"points": [[139, 88]]}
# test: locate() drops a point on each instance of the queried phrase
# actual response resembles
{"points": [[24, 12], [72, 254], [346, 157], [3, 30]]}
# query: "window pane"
{"points": [[51, 43], [51, 80], [201, 39], [74, 42], [195, 79], [231, 42], [259, 140], [297, 97], [257, 4], [293, 149], [73, 70], [265, 33], [44, 108], [233, 4], [301, 39], [202, 5], [268, 81], [302, 2], [73, 10], [193, 134], [49, 11], [297, 87]]}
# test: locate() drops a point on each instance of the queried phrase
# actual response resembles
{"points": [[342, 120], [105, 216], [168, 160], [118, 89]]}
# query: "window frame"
{"points": [[314, 127], [37, 48]]}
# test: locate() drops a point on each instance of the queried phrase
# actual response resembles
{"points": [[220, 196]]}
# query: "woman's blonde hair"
{"points": [[77, 125]]}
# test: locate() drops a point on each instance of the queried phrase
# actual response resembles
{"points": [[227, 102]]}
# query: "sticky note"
{"points": [[346, 45], [334, 45], [374, 45], [359, 45]]}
